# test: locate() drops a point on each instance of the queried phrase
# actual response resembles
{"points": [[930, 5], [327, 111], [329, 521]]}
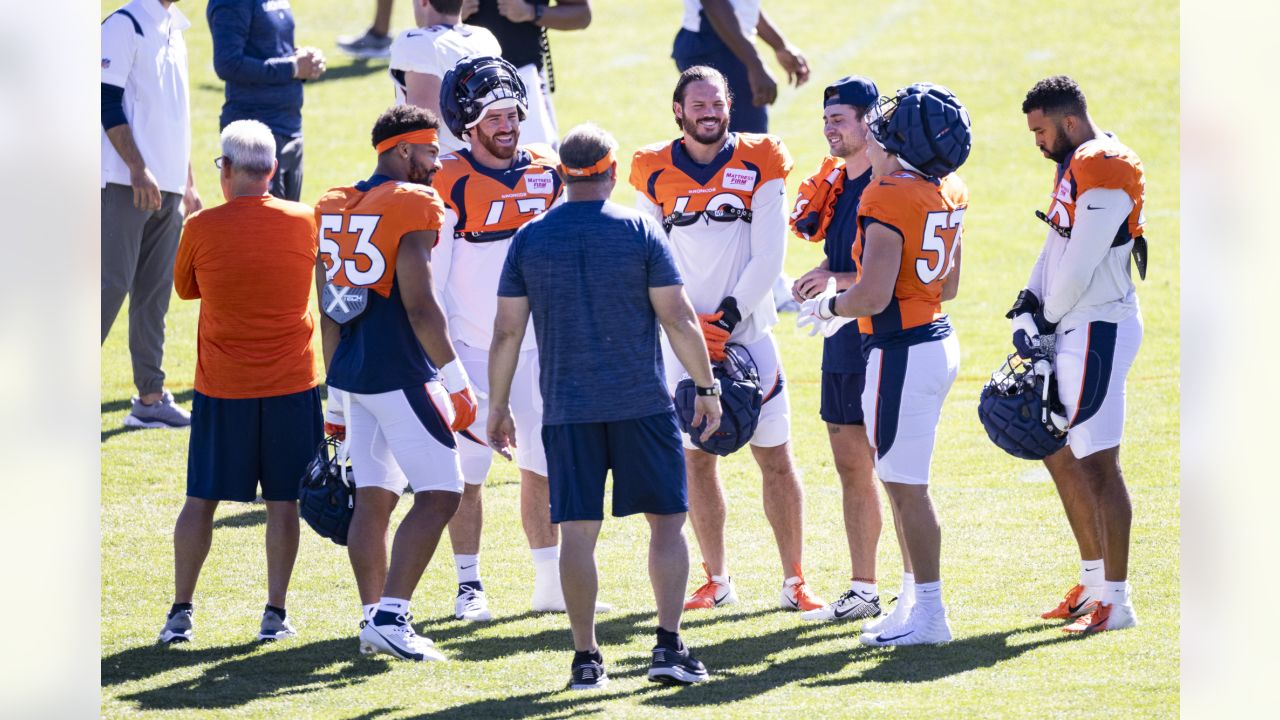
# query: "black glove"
{"points": [[730, 316]]}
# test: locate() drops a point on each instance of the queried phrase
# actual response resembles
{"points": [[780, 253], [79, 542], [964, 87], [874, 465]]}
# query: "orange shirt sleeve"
{"points": [[184, 270]]}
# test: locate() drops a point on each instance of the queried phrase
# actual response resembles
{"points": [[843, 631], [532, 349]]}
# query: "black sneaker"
{"points": [[676, 667], [588, 672]]}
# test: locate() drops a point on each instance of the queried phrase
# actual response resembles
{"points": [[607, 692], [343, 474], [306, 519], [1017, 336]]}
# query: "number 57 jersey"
{"points": [[928, 213]]}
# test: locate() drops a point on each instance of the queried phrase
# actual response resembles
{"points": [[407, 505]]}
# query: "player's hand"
{"points": [[817, 314], [458, 385], [191, 201], [764, 89], [502, 430], [706, 407], [335, 419], [715, 334], [1032, 345], [517, 11], [469, 8], [309, 63], [146, 191], [810, 284], [792, 60]]}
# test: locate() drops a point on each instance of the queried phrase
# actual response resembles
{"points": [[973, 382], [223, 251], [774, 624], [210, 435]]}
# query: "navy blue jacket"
{"points": [[253, 54]]}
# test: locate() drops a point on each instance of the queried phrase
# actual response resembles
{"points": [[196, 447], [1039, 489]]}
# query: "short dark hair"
{"points": [[695, 74], [447, 7], [400, 119], [584, 146], [1056, 94]]}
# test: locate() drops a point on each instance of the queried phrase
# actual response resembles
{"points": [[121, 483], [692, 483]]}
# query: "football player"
{"points": [[1080, 310], [720, 197], [386, 345], [490, 189], [824, 212], [907, 251], [420, 57]]}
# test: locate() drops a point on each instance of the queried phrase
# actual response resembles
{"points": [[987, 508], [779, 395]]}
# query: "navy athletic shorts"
{"points": [[646, 457], [842, 398], [238, 444]]}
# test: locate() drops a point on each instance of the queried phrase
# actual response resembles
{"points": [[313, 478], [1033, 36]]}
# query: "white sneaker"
{"points": [[177, 628], [471, 604], [893, 619], [921, 628], [397, 639], [549, 597], [849, 606]]}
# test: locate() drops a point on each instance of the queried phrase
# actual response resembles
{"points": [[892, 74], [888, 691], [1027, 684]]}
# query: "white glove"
{"points": [[817, 313], [333, 408]]}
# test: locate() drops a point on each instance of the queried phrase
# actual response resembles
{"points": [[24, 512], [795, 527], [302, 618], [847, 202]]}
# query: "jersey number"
{"points": [[935, 225], [362, 226], [525, 206]]}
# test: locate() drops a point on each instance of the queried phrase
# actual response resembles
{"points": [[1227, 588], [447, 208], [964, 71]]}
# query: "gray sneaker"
{"points": [[274, 627], [366, 46], [177, 628], [162, 414]]}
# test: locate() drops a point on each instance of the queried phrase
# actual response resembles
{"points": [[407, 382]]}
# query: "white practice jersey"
{"points": [[748, 12], [435, 50]]}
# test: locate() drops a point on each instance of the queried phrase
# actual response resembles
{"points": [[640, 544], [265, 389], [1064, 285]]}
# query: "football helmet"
{"points": [[473, 85], [740, 400], [925, 126], [1020, 410], [327, 496]]}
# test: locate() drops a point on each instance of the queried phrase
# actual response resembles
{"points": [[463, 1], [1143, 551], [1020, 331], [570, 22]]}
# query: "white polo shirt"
{"points": [[143, 52], [435, 51]]}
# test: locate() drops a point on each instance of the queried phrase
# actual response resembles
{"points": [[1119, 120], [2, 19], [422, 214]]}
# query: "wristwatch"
{"points": [[713, 391], [538, 9]]}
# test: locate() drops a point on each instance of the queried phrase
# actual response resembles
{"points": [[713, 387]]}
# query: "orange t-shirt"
{"points": [[252, 263]]}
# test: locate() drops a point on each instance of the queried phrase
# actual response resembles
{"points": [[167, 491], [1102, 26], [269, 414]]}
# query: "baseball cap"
{"points": [[851, 90]]}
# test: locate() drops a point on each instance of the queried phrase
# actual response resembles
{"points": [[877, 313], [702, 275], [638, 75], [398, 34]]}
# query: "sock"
{"points": [[468, 567], [367, 611], [865, 590], [668, 639], [395, 606], [585, 656], [277, 610], [1091, 573], [179, 607], [908, 592], [1115, 593], [929, 595], [471, 584], [546, 565]]}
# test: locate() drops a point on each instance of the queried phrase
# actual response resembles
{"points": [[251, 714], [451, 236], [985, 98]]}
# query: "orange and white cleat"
{"points": [[797, 596], [1105, 617], [1078, 602], [716, 591]]}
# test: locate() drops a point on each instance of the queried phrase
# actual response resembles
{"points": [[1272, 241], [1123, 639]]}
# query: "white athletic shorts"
{"points": [[526, 409], [540, 125], [1091, 366], [775, 415], [401, 438], [902, 402]]}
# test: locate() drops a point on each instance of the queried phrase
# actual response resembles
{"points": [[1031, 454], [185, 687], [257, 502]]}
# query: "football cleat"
{"points": [[393, 635], [849, 606], [177, 628], [1078, 602], [471, 604], [274, 627], [893, 619], [714, 592], [675, 667], [920, 628], [798, 597], [588, 675], [1105, 617]]}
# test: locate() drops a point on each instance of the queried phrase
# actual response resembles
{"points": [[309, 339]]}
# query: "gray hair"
{"points": [[250, 147], [584, 146]]}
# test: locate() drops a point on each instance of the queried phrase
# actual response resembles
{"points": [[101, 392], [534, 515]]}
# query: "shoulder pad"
{"points": [[542, 154], [646, 161], [775, 159]]}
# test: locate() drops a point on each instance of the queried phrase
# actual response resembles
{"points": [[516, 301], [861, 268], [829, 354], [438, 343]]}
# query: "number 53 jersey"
{"points": [[483, 210]]}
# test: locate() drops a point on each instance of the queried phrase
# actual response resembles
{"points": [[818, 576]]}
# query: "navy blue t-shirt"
{"points": [[253, 54], [842, 352], [586, 268]]}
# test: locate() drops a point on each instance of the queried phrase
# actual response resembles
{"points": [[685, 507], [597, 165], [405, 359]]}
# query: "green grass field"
{"points": [[1007, 550]]}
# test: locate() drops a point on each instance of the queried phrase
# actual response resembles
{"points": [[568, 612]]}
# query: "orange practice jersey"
{"points": [[492, 204], [928, 215], [252, 263], [1103, 162], [816, 200], [360, 230]]}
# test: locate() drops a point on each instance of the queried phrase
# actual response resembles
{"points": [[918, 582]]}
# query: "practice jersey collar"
{"points": [[700, 173]]}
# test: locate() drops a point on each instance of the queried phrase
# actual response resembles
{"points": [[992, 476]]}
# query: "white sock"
{"points": [[1115, 593], [793, 580], [865, 590], [929, 595], [468, 567], [369, 610], [396, 606], [907, 594], [1091, 573]]}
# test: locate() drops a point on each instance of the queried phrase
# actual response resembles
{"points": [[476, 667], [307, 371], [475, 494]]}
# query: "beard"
{"points": [[502, 152], [421, 174], [1061, 148], [843, 148], [706, 137]]}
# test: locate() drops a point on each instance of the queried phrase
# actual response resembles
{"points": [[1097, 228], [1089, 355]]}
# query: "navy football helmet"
{"points": [[327, 496], [740, 400], [1018, 406], [474, 84], [924, 125]]}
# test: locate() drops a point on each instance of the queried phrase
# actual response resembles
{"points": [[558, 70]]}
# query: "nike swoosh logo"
{"points": [[1090, 207], [467, 567], [839, 614], [1092, 568], [895, 637], [1108, 157], [1073, 609], [1068, 332]]}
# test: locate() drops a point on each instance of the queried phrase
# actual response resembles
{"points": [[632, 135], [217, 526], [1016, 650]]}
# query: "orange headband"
{"points": [[418, 137], [601, 165]]}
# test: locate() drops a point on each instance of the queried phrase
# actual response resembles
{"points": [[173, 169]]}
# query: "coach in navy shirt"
{"points": [[598, 279], [254, 55]]}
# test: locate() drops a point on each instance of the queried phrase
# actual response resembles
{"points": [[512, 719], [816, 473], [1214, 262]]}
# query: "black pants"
{"points": [[287, 183]]}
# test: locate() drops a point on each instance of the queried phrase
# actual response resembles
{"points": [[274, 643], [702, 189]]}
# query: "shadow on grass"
{"points": [[242, 674], [611, 629], [355, 69], [242, 520]]}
